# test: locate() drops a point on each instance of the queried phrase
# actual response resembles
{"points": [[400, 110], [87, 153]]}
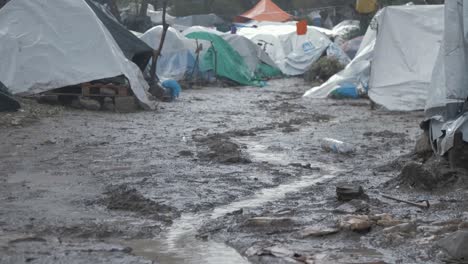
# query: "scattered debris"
{"points": [[357, 223], [336, 146], [423, 205], [346, 192], [386, 220], [318, 231]]}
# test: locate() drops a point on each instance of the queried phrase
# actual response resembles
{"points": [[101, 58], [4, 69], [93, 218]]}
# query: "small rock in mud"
{"points": [[222, 149], [423, 146], [456, 245], [386, 220], [356, 223], [346, 192], [318, 231], [123, 198]]}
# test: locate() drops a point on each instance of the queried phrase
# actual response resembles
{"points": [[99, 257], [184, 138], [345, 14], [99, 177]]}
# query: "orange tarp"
{"points": [[265, 10]]}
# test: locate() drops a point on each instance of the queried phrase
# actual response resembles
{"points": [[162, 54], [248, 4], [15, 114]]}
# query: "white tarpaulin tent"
{"points": [[292, 53], [402, 56], [50, 44], [177, 55], [405, 54], [252, 54], [446, 104], [357, 72]]}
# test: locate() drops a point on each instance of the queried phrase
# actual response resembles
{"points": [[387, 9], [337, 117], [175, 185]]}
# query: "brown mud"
{"points": [[223, 175]]}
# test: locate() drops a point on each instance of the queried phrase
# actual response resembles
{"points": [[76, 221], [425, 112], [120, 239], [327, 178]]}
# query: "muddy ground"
{"points": [[223, 175]]}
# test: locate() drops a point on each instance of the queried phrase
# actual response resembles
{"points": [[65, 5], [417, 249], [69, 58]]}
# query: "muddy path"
{"points": [[224, 175]]}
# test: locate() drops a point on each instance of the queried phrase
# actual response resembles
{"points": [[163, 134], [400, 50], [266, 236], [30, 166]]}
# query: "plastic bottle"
{"points": [[336, 146]]}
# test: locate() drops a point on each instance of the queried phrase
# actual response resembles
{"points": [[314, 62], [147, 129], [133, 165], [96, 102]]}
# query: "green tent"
{"points": [[224, 60]]}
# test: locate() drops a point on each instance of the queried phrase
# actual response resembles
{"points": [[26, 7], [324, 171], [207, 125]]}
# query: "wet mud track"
{"points": [[224, 175]]}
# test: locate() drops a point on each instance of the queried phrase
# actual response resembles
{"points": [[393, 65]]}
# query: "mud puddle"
{"points": [[181, 245]]}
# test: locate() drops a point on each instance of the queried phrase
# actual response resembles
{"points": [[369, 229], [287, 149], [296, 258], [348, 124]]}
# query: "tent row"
{"points": [[396, 58], [414, 58], [258, 52]]}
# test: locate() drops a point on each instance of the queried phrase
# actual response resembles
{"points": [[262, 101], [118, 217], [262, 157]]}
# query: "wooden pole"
{"points": [[157, 53]]}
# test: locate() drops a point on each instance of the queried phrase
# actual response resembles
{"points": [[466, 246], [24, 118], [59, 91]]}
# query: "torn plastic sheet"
{"points": [[444, 133]]}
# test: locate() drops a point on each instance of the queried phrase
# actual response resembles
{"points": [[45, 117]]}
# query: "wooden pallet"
{"points": [[89, 89]]}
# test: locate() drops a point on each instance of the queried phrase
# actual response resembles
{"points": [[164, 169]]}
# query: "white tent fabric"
{"points": [[177, 55], [405, 54], [401, 66], [448, 89], [449, 78], [249, 51], [192, 29], [357, 72], [294, 54], [50, 44]]}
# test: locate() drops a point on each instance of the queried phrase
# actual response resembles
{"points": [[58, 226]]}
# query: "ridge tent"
{"points": [[224, 60], [293, 54], [51, 44], [396, 62], [177, 55], [265, 10], [254, 57]]}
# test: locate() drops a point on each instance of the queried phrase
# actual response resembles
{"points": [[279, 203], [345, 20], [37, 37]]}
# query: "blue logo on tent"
{"points": [[308, 47]]}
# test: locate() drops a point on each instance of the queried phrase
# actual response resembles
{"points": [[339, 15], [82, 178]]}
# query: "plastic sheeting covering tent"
{"points": [[177, 55], [293, 54], [446, 104], [224, 60], [401, 73], [133, 48], [252, 54], [356, 73], [204, 20], [55, 43], [265, 10]]}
